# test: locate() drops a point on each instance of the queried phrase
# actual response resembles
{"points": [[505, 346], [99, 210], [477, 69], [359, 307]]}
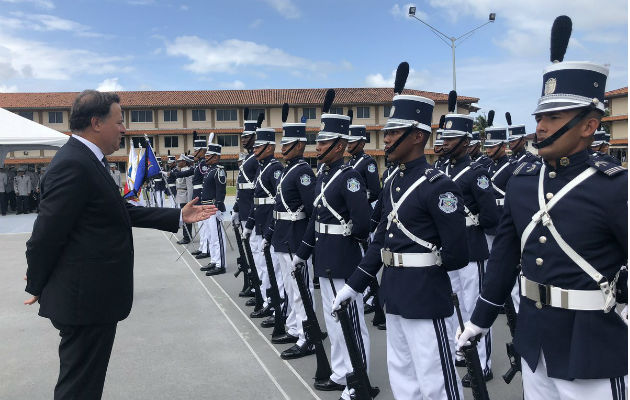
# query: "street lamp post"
{"points": [[452, 41]]}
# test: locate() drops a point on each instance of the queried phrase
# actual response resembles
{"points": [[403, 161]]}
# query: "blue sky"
{"points": [[54, 45]]}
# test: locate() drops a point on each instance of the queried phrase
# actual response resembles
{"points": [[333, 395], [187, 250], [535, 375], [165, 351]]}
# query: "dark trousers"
{"points": [[3, 203], [83, 358], [22, 204], [188, 226], [11, 199]]}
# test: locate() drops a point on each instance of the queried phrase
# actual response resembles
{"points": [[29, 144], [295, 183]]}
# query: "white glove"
{"points": [[235, 218], [247, 233], [344, 294], [295, 261], [470, 330], [264, 243]]}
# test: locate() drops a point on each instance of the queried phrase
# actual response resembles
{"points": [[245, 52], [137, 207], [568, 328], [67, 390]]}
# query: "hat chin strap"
{"points": [[262, 151], [333, 144], [497, 150], [399, 141], [451, 151], [574, 121], [285, 153]]}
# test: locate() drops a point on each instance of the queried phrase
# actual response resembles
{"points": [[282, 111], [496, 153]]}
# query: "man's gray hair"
{"points": [[88, 104]]}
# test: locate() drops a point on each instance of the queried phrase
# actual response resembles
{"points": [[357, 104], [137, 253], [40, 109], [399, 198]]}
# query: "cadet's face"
{"points": [[322, 146], [451, 144], [548, 123], [516, 145], [111, 129]]}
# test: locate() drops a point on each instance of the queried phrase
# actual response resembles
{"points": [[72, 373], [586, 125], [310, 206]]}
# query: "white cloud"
{"points": [[8, 89], [45, 23], [233, 54], [184, 7], [403, 11], [285, 7], [256, 23], [47, 4], [415, 80], [110, 85], [232, 85]]}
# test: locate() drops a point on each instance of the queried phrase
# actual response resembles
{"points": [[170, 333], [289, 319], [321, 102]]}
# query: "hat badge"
{"points": [[550, 86], [449, 124]]}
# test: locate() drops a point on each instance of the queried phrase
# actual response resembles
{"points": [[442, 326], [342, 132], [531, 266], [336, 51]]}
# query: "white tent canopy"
{"points": [[18, 133]]}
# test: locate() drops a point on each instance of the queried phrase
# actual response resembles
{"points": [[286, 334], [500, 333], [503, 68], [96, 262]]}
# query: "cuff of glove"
{"points": [[484, 314]]}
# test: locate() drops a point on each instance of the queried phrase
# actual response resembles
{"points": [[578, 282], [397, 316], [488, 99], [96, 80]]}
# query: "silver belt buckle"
{"points": [[388, 258]]}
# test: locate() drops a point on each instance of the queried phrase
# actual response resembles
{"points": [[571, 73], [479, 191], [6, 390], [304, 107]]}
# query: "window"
{"points": [[141, 116], [363, 112], [386, 111], [198, 115], [122, 142], [227, 115], [55, 117], [310, 138], [309, 112], [138, 141], [336, 110], [312, 161], [227, 140], [170, 115], [26, 114], [202, 137], [171, 141], [253, 113]]}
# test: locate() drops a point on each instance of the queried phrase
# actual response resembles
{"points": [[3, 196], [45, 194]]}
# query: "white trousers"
{"points": [[419, 359], [159, 198], [215, 239], [295, 309], [204, 234], [537, 385], [339, 357], [261, 266]]}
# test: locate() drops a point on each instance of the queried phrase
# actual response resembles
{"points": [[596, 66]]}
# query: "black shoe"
{"points": [[262, 313], [283, 339], [268, 322], [183, 241], [216, 271], [194, 253], [296, 351], [251, 302], [368, 308], [208, 267], [329, 386], [246, 293], [487, 376], [460, 363], [316, 285], [381, 327], [201, 255]]}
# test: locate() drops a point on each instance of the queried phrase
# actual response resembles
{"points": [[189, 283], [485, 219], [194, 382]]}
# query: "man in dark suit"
{"points": [[80, 255]]}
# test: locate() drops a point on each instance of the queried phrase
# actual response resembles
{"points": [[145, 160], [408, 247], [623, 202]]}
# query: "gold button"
{"points": [[549, 196], [319, 206], [402, 167], [391, 235], [316, 239], [539, 261], [542, 239], [552, 174], [538, 305], [398, 189], [402, 174]]}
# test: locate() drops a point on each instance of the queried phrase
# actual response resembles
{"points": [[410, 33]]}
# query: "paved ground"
{"points": [[188, 336]]}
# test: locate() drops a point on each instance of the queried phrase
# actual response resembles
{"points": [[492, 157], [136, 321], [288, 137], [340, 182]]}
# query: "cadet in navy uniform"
{"points": [[566, 223], [502, 167], [261, 214], [171, 186], [474, 149], [375, 218], [294, 205], [418, 240], [599, 147], [438, 144], [517, 143], [214, 193], [363, 163], [184, 191], [158, 190], [341, 219], [481, 213]]}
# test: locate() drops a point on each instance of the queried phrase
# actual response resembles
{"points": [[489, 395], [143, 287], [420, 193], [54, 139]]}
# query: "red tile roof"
{"points": [[258, 97], [616, 93], [615, 118]]}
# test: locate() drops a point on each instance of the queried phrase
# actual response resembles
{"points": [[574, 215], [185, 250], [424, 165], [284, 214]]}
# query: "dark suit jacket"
{"points": [[80, 254]]}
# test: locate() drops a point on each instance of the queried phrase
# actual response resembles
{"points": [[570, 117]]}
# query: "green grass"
{"points": [[230, 191]]}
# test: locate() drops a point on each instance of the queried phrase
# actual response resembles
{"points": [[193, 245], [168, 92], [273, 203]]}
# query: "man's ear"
{"points": [[96, 123], [590, 126]]}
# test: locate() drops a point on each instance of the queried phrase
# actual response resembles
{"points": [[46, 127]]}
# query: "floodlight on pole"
{"points": [[452, 41]]}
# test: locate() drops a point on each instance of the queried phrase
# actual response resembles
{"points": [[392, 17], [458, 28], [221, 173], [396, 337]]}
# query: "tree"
{"points": [[480, 123]]}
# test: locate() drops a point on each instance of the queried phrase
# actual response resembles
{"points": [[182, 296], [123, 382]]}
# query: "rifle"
{"points": [[253, 276], [241, 261], [357, 381], [310, 325], [473, 365], [515, 358], [274, 292], [379, 314]]}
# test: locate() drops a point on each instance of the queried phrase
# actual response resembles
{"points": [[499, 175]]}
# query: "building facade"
{"points": [[169, 118], [617, 120]]}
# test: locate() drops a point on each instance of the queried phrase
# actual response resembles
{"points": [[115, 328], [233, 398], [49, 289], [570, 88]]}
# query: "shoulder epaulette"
{"points": [[220, 166], [606, 167], [526, 168], [345, 167], [433, 174], [475, 165]]}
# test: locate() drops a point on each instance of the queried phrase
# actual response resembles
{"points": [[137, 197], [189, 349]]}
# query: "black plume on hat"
{"points": [[490, 117], [560, 34], [169, 152], [508, 118], [351, 115], [328, 100], [441, 124], [261, 118], [194, 135], [402, 72], [246, 113], [285, 112], [452, 100]]}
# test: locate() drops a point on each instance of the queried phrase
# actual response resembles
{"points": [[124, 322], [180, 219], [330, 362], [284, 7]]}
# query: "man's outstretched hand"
{"points": [[32, 300], [192, 213]]}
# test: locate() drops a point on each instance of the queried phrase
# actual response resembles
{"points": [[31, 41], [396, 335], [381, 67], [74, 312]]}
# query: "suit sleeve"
{"points": [[64, 197], [164, 219]]}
